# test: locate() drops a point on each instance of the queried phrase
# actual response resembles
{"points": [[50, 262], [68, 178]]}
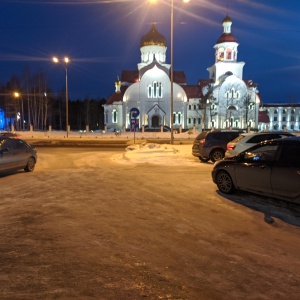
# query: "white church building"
{"points": [[224, 100]]}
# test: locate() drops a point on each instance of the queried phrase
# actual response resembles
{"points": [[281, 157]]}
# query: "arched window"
{"points": [[228, 54], [155, 90], [114, 116], [221, 54], [179, 118]]}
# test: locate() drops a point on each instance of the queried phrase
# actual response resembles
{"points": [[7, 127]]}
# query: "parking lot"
{"points": [[85, 226]]}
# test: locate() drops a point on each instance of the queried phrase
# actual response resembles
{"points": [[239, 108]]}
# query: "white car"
{"points": [[246, 140]]}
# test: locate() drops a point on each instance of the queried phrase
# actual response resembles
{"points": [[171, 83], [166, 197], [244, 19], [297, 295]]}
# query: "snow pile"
{"points": [[158, 154]]}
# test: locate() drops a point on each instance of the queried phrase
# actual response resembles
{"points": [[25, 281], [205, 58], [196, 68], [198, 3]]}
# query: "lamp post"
{"points": [[17, 95], [171, 71], [171, 67], [65, 65]]}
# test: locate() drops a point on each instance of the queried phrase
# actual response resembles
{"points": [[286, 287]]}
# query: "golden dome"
{"points": [[153, 37]]}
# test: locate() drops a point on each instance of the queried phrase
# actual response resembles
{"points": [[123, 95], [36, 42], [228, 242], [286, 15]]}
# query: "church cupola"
{"points": [[153, 37], [153, 46], [226, 46]]}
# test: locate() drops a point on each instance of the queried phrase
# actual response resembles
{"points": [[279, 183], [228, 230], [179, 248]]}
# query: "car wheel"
{"points": [[224, 182], [216, 155], [30, 165], [203, 159]]}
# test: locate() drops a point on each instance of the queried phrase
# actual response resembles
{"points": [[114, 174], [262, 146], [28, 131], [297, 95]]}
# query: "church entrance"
{"points": [[155, 121]]}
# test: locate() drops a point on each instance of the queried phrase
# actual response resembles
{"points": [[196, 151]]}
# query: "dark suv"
{"points": [[211, 145]]}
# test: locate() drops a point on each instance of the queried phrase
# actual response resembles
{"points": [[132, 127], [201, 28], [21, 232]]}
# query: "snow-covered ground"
{"points": [[139, 149]]}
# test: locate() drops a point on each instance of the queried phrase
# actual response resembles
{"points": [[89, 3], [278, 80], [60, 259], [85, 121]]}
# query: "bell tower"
{"points": [[226, 50]]}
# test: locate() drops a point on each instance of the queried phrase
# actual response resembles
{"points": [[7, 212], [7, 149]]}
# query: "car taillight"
{"points": [[202, 142], [230, 147]]}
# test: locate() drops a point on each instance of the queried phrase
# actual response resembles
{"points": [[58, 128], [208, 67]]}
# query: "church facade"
{"points": [[224, 100]]}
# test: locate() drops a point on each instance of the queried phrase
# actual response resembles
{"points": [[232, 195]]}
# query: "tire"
{"points": [[216, 155], [224, 182], [30, 165], [203, 159]]}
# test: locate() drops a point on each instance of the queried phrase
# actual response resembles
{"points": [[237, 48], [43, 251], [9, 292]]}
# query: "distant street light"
{"points": [[64, 63], [18, 95]]}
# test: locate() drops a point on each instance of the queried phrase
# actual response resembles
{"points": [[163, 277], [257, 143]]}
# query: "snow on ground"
{"points": [[158, 154], [139, 150]]}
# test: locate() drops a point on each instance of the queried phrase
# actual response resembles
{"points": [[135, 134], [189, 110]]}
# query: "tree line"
{"points": [[28, 100]]}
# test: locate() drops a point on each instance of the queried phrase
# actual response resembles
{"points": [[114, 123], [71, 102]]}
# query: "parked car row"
{"points": [[215, 145], [270, 168], [266, 163]]}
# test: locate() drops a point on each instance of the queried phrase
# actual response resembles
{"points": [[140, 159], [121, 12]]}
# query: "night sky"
{"points": [[102, 38]]}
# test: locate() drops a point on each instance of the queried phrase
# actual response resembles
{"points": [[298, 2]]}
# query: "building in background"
{"points": [[280, 116], [225, 100]]}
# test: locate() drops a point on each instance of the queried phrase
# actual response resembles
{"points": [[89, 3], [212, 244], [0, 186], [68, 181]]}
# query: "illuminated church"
{"points": [[224, 100]]}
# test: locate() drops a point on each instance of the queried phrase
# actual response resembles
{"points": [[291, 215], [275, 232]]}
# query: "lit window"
{"points": [[155, 90], [114, 116], [228, 54]]}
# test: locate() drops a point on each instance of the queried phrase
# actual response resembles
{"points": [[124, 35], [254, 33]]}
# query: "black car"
{"points": [[16, 154], [212, 145], [270, 168]]}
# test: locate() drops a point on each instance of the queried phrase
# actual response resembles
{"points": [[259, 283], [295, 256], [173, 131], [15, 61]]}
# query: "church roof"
{"points": [[263, 117], [153, 37], [179, 77], [281, 105], [226, 37], [114, 98], [130, 76], [227, 19], [192, 91]]}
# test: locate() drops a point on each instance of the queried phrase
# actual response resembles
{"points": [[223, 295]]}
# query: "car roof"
{"points": [[5, 137], [266, 132]]}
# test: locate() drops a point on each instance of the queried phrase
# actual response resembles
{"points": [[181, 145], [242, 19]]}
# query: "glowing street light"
{"points": [[18, 95], [64, 63]]}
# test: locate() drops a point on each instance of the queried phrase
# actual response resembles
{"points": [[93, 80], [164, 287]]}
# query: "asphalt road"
{"points": [[84, 226]]}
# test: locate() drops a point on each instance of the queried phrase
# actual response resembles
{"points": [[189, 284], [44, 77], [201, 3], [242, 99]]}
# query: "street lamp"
{"points": [[65, 65], [171, 69], [17, 95]]}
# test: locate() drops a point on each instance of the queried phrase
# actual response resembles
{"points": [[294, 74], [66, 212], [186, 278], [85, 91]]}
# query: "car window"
{"points": [[239, 138], [231, 135], [21, 145], [7, 144], [290, 153], [217, 136], [264, 153], [259, 138], [202, 135]]}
